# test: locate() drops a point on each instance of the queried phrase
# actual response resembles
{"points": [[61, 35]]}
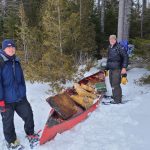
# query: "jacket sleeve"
{"points": [[23, 79], [1, 85], [124, 56], [106, 68]]}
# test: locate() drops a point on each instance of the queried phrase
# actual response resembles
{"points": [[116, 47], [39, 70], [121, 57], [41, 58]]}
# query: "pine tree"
{"points": [[9, 18], [85, 42], [55, 64], [53, 24], [32, 11], [23, 32]]}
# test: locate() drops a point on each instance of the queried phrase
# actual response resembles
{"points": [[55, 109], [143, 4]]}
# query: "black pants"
{"points": [[115, 81], [23, 109]]}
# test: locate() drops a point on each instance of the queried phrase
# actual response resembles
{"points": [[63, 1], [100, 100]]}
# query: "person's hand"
{"points": [[124, 79], [123, 71], [2, 106]]}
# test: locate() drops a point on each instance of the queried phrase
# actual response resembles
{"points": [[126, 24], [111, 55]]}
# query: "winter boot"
{"points": [[33, 140], [108, 97], [114, 102], [15, 146]]}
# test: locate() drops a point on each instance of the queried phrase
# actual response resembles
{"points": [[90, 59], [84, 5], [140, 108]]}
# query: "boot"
{"points": [[15, 145], [33, 140]]}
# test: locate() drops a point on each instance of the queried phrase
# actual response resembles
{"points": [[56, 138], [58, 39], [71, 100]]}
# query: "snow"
{"points": [[110, 127]]}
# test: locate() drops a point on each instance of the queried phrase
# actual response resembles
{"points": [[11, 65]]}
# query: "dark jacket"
{"points": [[12, 83], [117, 57]]}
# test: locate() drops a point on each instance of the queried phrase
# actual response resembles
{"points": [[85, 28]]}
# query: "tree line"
{"points": [[55, 36]]}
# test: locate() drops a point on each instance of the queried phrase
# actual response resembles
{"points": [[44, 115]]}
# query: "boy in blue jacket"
{"points": [[13, 97]]}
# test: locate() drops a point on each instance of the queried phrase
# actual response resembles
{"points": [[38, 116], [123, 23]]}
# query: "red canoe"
{"points": [[51, 130], [50, 133]]}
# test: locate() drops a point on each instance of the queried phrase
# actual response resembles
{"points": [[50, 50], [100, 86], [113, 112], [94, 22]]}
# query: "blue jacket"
{"points": [[12, 83]]}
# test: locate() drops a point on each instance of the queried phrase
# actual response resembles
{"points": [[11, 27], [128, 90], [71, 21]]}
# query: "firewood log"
{"points": [[83, 101], [83, 92], [88, 88]]}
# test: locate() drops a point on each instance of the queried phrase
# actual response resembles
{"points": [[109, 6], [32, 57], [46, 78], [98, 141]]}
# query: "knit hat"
{"points": [[112, 37], [8, 43]]}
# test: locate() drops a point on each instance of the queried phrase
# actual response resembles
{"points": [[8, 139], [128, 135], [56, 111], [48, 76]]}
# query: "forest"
{"points": [[54, 37]]}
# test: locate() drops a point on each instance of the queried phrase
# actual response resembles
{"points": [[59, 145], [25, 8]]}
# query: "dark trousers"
{"points": [[115, 81], [23, 109]]}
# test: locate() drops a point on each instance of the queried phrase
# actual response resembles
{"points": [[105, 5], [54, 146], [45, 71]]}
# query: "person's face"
{"points": [[10, 51], [112, 41]]}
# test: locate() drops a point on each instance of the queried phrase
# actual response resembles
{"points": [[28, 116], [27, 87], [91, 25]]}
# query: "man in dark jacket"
{"points": [[117, 63], [13, 96]]}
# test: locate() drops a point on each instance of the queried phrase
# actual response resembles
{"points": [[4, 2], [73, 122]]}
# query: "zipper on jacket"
{"points": [[14, 68], [15, 80]]}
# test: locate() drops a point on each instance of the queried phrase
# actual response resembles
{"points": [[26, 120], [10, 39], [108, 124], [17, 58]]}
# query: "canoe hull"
{"points": [[50, 132], [53, 127]]}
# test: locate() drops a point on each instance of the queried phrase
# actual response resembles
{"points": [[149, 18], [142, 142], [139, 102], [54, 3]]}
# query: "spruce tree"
{"points": [[9, 18]]}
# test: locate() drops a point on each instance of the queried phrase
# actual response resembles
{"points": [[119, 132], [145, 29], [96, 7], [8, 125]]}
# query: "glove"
{"points": [[2, 106], [124, 79], [106, 73]]}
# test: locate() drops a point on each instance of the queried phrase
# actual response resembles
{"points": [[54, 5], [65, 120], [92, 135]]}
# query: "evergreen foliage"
{"points": [[55, 36]]}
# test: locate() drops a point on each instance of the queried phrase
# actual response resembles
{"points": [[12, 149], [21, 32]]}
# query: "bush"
{"points": [[142, 48], [144, 80]]}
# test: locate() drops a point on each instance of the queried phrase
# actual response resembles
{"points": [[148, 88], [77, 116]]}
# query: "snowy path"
{"points": [[111, 127]]}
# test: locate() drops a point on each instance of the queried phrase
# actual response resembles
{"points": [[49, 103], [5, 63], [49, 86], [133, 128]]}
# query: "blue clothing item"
{"points": [[12, 83], [8, 43], [117, 57], [125, 44]]}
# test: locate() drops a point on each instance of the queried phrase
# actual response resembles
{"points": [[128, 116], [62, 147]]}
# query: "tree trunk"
{"points": [[138, 5], [124, 19], [144, 4], [127, 19], [121, 19], [3, 14], [99, 12], [142, 16], [60, 34], [80, 12], [24, 33], [102, 16]]}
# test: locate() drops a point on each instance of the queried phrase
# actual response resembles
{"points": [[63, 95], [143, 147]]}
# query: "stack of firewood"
{"points": [[85, 95]]}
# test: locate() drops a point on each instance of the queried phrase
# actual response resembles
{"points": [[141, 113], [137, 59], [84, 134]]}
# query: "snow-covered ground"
{"points": [[110, 127]]}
